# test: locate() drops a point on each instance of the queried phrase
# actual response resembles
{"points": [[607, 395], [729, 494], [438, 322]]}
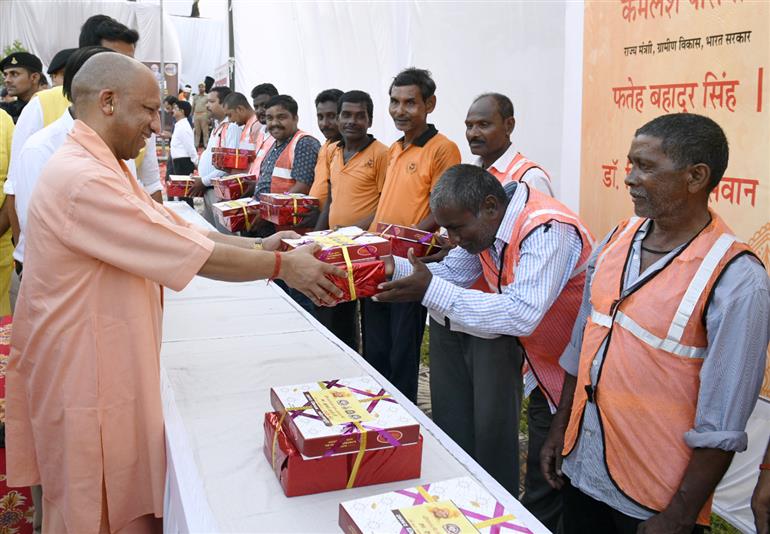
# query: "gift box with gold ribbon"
{"points": [[179, 185], [359, 244], [232, 158], [286, 209], [237, 215], [300, 475], [459, 505], [233, 186], [402, 238], [342, 415]]}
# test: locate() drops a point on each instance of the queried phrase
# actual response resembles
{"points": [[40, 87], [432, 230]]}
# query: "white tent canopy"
{"points": [[45, 27]]}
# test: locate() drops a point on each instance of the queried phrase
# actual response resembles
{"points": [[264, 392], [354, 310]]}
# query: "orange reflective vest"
{"points": [[517, 168], [282, 182], [647, 388], [544, 346], [264, 143]]}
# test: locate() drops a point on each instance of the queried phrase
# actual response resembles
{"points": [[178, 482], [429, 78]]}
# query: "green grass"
{"points": [[718, 525]]}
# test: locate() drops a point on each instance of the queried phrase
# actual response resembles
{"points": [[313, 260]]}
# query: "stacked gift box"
{"points": [[459, 505], [233, 186], [402, 238], [338, 434], [179, 185], [233, 158], [355, 251], [237, 215], [286, 209]]}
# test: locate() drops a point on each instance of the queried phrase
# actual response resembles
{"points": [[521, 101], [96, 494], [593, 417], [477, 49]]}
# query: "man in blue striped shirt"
{"points": [[482, 413]]}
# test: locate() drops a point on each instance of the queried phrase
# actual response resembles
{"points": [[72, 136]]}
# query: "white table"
{"points": [[224, 346]]}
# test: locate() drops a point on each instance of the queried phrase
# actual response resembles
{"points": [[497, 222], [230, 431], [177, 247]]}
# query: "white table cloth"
{"points": [[224, 346]]}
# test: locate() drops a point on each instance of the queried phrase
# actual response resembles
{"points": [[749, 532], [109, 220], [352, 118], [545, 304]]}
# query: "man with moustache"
{"points": [[260, 95], [488, 128], [393, 331], [84, 414], [668, 351], [21, 74], [226, 134], [326, 114], [357, 171]]}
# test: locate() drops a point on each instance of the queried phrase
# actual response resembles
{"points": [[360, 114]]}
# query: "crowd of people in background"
{"points": [[641, 353]]}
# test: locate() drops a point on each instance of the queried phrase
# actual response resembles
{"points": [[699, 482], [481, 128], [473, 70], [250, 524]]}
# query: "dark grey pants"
{"points": [[542, 500], [475, 390]]}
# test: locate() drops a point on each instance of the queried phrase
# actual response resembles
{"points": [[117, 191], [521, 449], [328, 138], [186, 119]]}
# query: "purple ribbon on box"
{"points": [[419, 498]]}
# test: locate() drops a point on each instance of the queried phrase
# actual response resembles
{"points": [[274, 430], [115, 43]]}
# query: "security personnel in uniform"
{"points": [[22, 72]]}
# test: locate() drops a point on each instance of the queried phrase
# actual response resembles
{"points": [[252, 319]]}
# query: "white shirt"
{"points": [[182, 141], [36, 152], [206, 169], [534, 177], [30, 121]]}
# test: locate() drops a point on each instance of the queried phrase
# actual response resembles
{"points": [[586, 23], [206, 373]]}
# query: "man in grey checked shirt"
{"points": [[677, 161], [477, 397]]}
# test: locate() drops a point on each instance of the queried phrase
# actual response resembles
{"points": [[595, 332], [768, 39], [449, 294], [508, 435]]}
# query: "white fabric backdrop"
{"points": [[204, 47], [471, 48], [45, 26]]}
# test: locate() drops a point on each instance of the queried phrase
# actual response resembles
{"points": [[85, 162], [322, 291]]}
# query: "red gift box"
{"points": [[305, 476], [282, 215], [237, 215], [232, 158], [234, 186], [366, 276], [331, 416], [179, 186], [360, 245], [402, 238], [295, 200]]}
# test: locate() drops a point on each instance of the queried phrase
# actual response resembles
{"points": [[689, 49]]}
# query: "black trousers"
{"points": [[475, 391], [341, 320], [392, 339], [184, 166], [542, 500], [585, 514]]}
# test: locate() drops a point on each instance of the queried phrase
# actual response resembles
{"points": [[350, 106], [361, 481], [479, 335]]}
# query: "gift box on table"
{"points": [[237, 215], [179, 185], [402, 238], [459, 505], [234, 186], [343, 415], [300, 475], [233, 158]]}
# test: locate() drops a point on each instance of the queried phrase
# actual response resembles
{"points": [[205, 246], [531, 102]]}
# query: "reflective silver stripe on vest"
{"points": [[580, 268], [646, 336], [698, 284], [518, 165], [631, 223], [281, 172]]}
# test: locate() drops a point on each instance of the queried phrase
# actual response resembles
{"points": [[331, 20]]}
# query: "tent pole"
{"points": [[231, 43]]}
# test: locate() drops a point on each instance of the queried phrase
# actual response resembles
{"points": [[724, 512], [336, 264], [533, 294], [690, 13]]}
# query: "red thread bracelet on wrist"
{"points": [[764, 467], [277, 266]]}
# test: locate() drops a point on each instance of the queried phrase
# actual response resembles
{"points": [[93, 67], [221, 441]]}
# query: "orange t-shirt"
{"points": [[320, 187], [357, 184], [412, 173]]}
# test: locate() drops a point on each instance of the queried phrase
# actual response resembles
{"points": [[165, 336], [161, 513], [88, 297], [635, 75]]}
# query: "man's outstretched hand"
{"points": [[409, 289], [304, 272]]}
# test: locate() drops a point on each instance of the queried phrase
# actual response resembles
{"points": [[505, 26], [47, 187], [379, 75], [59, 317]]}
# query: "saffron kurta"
{"points": [[83, 390]]}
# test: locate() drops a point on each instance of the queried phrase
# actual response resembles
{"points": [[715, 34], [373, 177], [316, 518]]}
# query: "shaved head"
{"points": [[108, 70], [118, 97]]}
